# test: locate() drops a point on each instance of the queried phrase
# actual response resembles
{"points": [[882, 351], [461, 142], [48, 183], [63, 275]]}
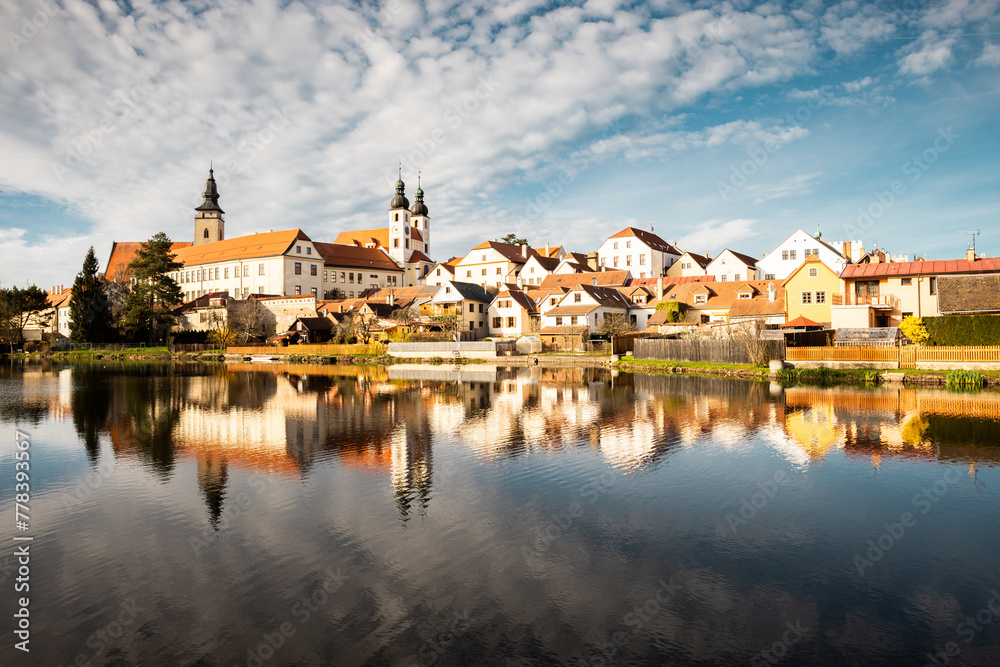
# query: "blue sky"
{"points": [[721, 124]]}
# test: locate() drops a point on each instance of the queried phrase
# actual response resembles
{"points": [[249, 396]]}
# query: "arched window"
{"points": [[206, 233]]}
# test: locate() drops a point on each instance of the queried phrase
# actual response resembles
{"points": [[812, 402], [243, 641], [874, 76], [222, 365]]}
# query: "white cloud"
{"points": [[990, 56], [931, 55], [790, 187], [714, 235]]}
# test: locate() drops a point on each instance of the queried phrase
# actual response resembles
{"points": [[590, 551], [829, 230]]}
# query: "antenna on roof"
{"points": [[650, 226], [973, 235]]}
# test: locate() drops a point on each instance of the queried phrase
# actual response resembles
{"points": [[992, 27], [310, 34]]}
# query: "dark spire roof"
{"points": [[211, 194], [419, 208], [400, 200]]}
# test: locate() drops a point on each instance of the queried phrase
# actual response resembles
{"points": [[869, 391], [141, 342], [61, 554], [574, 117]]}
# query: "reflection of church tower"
{"points": [[212, 475], [208, 223], [399, 225], [412, 464]]}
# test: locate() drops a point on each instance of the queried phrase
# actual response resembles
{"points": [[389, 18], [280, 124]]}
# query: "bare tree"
{"points": [[614, 324], [250, 320], [748, 333]]}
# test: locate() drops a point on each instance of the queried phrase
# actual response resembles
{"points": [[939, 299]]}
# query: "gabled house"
{"points": [[350, 269], [584, 305], [711, 303], [310, 330], [536, 269], [511, 314], [577, 262], [790, 253], [600, 278], [467, 302], [753, 303], [201, 314], [732, 266], [643, 253], [441, 272], [493, 264], [689, 264], [810, 291]]}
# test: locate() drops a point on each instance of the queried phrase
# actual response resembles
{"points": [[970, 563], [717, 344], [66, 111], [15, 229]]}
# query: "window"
{"points": [[628, 260], [298, 268], [309, 250], [447, 290], [572, 320], [616, 245], [577, 297], [906, 281], [350, 278], [723, 279], [700, 298], [298, 249], [736, 276], [744, 295], [468, 274], [313, 290], [312, 269], [395, 243], [407, 243], [768, 276], [807, 298], [813, 272], [472, 308], [552, 301], [396, 219], [260, 270], [628, 244], [616, 260], [343, 277], [438, 272], [484, 257], [499, 271], [905, 315], [260, 289], [298, 289], [511, 323], [532, 270], [206, 233], [791, 254], [496, 322], [642, 260], [472, 325], [820, 297], [350, 294], [784, 254], [933, 284], [558, 321], [246, 292], [484, 272]]}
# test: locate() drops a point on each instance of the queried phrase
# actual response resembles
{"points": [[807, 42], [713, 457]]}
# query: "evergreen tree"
{"points": [[90, 317], [154, 292]]}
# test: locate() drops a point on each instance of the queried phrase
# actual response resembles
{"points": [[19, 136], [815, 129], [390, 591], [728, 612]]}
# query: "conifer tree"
{"points": [[154, 292], [90, 317]]}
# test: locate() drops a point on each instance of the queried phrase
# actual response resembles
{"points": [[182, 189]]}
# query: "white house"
{"points": [[790, 253], [511, 313], [643, 253], [466, 301], [689, 264], [585, 305], [730, 266]]}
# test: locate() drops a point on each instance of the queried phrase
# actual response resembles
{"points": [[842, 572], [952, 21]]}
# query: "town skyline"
{"points": [[723, 127]]}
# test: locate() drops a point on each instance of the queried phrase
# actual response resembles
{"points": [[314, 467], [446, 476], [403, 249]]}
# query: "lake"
{"points": [[251, 515]]}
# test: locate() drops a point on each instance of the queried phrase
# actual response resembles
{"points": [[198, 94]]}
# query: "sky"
{"points": [[718, 124]]}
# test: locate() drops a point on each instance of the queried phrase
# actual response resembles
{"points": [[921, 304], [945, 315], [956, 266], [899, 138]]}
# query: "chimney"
{"points": [[875, 256], [546, 249], [659, 289], [524, 250], [592, 261], [970, 255], [847, 251], [770, 291], [392, 299], [520, 282]]}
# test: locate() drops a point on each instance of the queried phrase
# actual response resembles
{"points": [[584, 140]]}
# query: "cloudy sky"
{"points": [[721, 124]]}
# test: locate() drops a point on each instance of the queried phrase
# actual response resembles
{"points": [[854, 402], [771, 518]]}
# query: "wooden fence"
{"points": [[333, 350], [942, 354], [708, 351]]}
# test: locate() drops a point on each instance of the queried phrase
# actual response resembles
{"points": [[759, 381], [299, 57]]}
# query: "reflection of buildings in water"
{"points": [[815, 429]]}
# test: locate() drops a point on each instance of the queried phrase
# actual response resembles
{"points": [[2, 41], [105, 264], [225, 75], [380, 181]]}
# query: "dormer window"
{"points": [[700, 298], [744, 295]]}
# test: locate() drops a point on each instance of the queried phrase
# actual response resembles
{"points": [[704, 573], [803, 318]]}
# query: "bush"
{"points": [[871, 377], [963, 329], [675, 309], [963, 379]]}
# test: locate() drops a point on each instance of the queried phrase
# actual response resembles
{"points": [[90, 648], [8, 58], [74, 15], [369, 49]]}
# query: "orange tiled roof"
{"points": [[934, 267], [338, 254], [364, 237], [574, 279], [122, 254], [649, 238], [266, 244]]}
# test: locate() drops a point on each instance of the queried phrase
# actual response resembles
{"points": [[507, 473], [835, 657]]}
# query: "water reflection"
{"points": [[427, 483]]}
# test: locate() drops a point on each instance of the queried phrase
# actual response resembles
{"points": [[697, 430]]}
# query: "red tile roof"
{"points": [[649, 238], [574, 279], [935, 267], [122, 254], [335, 254]]}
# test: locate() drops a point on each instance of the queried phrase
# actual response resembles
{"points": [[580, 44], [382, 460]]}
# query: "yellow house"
{"points": [[810, 290]]}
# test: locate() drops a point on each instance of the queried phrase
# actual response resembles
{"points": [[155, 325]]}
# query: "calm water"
{"points": [[306, 515]]}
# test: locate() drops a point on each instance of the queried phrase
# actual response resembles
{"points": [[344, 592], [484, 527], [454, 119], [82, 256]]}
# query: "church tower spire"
{"points": [[400, 247], [209, 226], [420, 220]]}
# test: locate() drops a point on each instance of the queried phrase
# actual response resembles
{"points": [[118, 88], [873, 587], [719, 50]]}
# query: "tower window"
{"points": [[206, 233], [397, 217]]}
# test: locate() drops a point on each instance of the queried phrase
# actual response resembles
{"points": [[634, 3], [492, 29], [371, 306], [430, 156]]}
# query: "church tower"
{"points": [[400, 246], [419, 220], [208, 223]]}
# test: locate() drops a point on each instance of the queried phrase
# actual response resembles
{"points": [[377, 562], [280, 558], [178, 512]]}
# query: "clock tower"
{"points": [[400, 245]]}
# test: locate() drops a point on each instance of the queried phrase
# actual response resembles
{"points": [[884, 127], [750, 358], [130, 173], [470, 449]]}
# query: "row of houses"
{"points": [[548, 289]]}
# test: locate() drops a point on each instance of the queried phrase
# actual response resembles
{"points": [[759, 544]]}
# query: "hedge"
{"points": [[963, 330]]}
